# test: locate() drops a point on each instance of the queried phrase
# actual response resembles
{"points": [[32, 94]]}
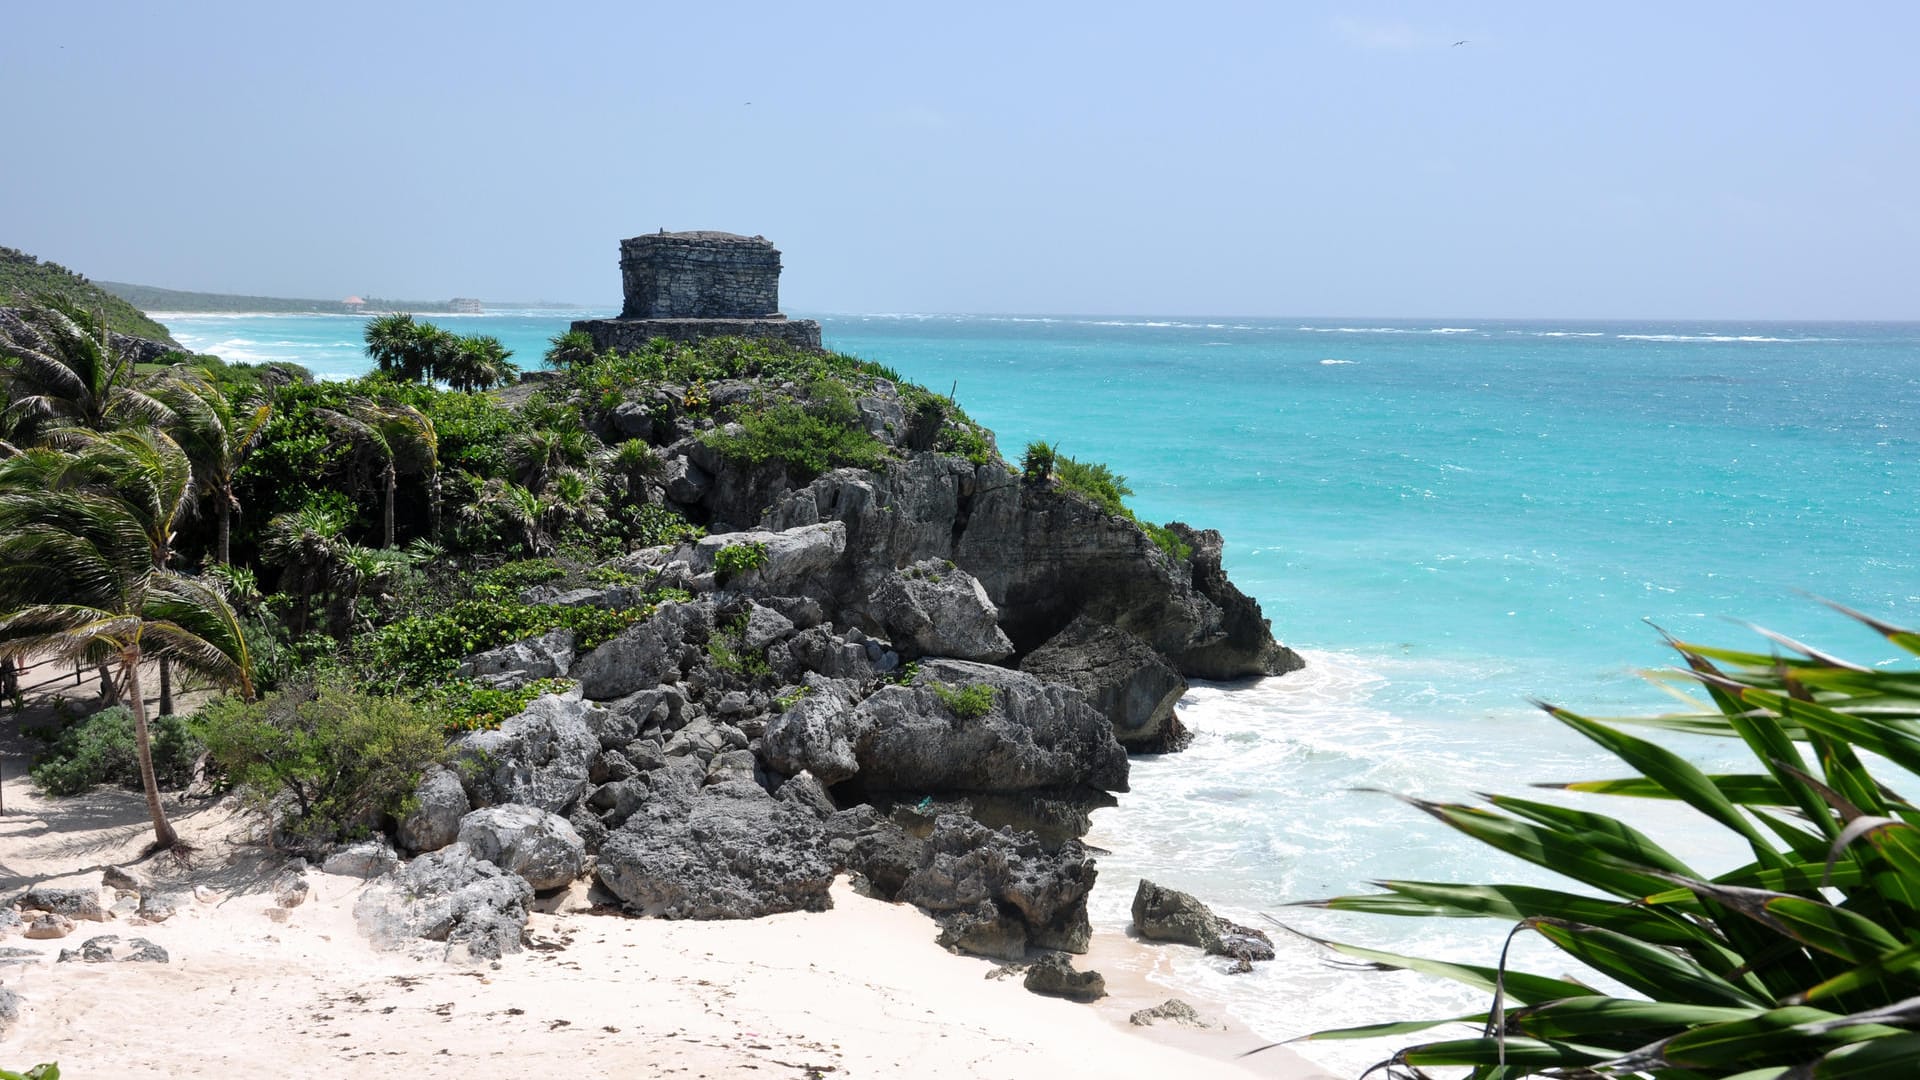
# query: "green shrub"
{"points": [[1800, 963], [726, 648], [736, 559], [651, 526], [824, 433], [1036, 465], [970, 702], [44, 1071], [424, 649], [1164, 539], [330, 762], [523, 574], [465, 705], [1106, 488], [99, 749]]}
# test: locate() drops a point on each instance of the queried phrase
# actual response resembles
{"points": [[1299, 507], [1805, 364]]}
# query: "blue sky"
{"points": [[1617, 161]]}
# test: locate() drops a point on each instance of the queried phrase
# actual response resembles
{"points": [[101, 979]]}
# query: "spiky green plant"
{"points": [[1803, 963]]}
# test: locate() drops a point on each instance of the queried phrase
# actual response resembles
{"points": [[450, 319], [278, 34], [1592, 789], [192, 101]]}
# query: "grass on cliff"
{"points": [[1102, 487], [1802, 963], [24, 279]]}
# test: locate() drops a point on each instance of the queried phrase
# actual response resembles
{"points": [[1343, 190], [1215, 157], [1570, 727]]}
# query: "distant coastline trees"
{"points": [[422, 352]]}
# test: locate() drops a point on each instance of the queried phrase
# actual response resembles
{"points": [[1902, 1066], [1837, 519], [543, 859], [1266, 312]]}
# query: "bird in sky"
{"points": [[1459, 43]]}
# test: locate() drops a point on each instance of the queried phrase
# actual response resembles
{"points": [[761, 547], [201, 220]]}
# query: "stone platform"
{"points": [[627, 335]]}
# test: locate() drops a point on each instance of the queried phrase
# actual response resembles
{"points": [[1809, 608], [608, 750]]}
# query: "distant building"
{"points": [[354, 304], [465, 305]]}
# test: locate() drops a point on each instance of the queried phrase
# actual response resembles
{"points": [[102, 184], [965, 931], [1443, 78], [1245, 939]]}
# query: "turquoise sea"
{"points": [[1448, 518]]}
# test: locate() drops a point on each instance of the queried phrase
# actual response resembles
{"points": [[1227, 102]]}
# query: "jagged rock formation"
{"points": [[1162, 914], [685, 286]]}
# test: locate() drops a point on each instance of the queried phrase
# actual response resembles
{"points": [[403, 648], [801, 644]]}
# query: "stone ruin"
{"points": [[686, 286]]}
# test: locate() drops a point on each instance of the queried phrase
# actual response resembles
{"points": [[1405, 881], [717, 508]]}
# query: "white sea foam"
{"points": [[1564, 333], [1721, 338], [1337, 361]]}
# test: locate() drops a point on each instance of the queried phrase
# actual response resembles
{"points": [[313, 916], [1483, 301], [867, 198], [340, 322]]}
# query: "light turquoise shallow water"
{"points": [[1448, 518]]}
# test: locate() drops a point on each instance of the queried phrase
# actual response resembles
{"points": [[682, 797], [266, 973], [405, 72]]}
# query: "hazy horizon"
{"points": [[1716, 162]]}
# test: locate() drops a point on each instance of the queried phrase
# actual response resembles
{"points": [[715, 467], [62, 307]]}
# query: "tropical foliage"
{"points": [[1802, 962]]}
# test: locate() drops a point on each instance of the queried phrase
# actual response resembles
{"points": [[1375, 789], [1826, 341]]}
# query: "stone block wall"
{"points": [[699, 275]]}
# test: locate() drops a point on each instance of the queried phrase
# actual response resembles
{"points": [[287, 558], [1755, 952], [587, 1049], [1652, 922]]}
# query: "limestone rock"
{"points": [[735, 853], [644, 655], [73, 903], [933, 608], [974, 879], [1053, 975], [512, 666], [1044, 556], [367, 859], [160, 906], [49, 925], [1173, 1011], [439, 802], [113, 877], [448, 896], [542, 757], [9, 1010], [535, 844], [1133, 686], [290, 889], [109, 949], [1245, 645], [816, 734], [1161, 914], [797, 559], [1034, 735]]}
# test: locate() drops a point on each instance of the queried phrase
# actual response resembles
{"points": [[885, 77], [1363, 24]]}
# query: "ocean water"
{"points": [[1448, 519]]}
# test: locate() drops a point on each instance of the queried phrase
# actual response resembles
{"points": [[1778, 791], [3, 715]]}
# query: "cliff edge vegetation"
{"points": [[25, 280]]}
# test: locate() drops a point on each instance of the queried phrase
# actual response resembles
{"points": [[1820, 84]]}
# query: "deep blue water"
{"points": [[1448, 518]]}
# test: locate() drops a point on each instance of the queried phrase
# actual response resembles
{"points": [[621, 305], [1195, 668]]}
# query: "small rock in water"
{"points": [[1054, 976], [50, 925], [1173, 1010]]}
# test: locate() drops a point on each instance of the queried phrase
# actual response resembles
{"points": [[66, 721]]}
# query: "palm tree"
{"points": [[217, 434], [64, 375], [498, 500], [306, 544], [570, 350], [477, 362], [391, 439], [82, 579]]}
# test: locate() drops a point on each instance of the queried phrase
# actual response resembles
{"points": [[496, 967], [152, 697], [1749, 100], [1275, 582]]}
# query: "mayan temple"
{"points": [[685, 286]]}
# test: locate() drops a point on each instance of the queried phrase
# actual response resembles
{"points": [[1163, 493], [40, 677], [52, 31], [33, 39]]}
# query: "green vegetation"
{"points": [[154, 298], [100, 749], [27, 281], [427, 648], [736, 559], [970, 702], [48, 1071], [809, 436], [465, 705], [1104, 488], [258, 531], [726, 648], [338, 758], [1800, 963], [1036, 464]]}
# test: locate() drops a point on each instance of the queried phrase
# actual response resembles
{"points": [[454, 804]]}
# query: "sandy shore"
{"points": [[859, 991]]}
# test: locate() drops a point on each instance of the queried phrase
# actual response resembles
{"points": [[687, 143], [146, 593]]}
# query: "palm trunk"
{"points": [[433, 505], [163, 834], [393, 481], [226, 524], [109, 693], [166, 686]]}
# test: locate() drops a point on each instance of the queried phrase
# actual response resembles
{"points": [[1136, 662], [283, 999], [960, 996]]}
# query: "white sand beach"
{"points": [[859, 991]]}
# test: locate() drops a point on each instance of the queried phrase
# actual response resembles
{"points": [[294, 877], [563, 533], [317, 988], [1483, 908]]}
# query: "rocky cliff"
{"points": [[925, 672]]}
